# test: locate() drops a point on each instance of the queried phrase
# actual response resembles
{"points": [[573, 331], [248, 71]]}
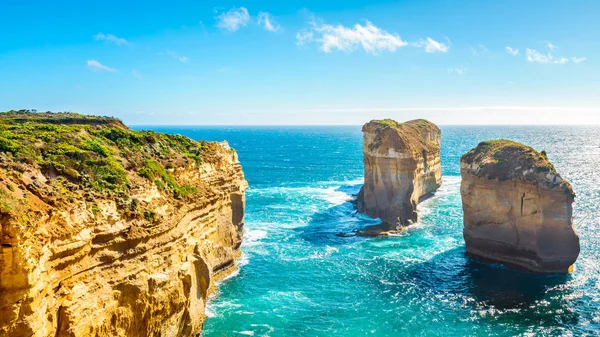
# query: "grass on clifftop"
{"points": [[503, 150], [388, 122], [95, 152], [410, 134], [418, 123], [506, 159]]}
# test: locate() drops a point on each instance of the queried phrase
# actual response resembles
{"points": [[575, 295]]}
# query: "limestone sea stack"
{"points": [[106, 231], [402, 166], [517, 208]]}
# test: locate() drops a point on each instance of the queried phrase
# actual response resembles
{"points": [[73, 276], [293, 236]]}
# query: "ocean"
{"points": [[297, 278]]}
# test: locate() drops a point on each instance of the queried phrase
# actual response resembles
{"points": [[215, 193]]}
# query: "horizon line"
{"points": [[313, 125]]}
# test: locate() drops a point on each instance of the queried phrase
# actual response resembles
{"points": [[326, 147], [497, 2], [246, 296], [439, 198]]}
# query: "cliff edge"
{"points": [[107, 231], [517, 208], [402, 166]]}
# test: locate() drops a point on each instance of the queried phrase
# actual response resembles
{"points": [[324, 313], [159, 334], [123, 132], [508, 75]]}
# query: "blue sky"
{"points": [[304, 62]]}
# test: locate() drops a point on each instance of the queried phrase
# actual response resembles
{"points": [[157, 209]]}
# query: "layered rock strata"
{"points": [[402, 167], [517, 208], [112, 232]]}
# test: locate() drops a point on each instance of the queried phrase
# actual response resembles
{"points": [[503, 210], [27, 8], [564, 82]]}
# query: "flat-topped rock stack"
{"points": [[402, 166], [517, 208]]}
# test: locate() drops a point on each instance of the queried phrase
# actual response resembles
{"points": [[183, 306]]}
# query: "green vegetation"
{"points": [[505, 159], [495, 142], [154, 171], [419, 123], [388, 122], [95, 152], [95, 210], [412, 134], [150, 216], [25, 115], [4, 206], [499, 144], [507, 150]]}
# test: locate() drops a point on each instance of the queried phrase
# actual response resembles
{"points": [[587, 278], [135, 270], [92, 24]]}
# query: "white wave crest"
{"points": [[332, 195], [213, 308], [253, 237], [335, 197]]}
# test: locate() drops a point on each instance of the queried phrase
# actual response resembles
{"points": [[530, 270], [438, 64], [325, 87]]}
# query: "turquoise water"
{"points": [[296, 278]]}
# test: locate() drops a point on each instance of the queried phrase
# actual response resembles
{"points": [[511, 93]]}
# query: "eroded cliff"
{"points": [[402, 166], [112, 232], [517, 208]]}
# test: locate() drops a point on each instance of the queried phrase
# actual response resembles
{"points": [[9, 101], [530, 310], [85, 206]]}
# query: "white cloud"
{"points": [[512, 51], [267, 21], [550, 46], [561, 60], [369, 37], [95, 65], [457, 71], [432, 46], [535, 56], [110, 38], [234, 19], [303, 37], [136, 74], [176, 56]]}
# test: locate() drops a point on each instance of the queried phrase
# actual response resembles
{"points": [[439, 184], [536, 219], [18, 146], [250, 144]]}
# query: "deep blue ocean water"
{"points": [[296, 278]]}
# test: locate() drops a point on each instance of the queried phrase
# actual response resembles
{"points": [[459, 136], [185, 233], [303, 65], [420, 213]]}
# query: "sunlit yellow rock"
{"points": [[517, 208], [402, 166], [76, 262]]}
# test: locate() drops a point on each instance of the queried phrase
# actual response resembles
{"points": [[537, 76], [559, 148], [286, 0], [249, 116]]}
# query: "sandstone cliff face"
{"points": [[517, 208], [402, 166], [111, 232]]}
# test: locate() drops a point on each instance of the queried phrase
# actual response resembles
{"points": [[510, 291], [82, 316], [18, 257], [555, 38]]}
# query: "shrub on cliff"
{"points": [[95, 152], [506, 159]]}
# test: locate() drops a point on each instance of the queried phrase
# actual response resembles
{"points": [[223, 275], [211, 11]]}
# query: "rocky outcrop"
{"points": [[112, 232], [517, 208], [402, 166]]}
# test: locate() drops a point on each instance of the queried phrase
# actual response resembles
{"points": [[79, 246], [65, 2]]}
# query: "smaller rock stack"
{"points": [[517, 208], [402, 166]]}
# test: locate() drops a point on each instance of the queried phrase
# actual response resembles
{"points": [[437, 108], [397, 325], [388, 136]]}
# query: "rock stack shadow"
{"points": [[506, 288], [490, 285], [336, 225]]}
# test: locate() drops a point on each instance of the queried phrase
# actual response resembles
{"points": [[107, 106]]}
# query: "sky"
{"points": [[310, 62]]}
